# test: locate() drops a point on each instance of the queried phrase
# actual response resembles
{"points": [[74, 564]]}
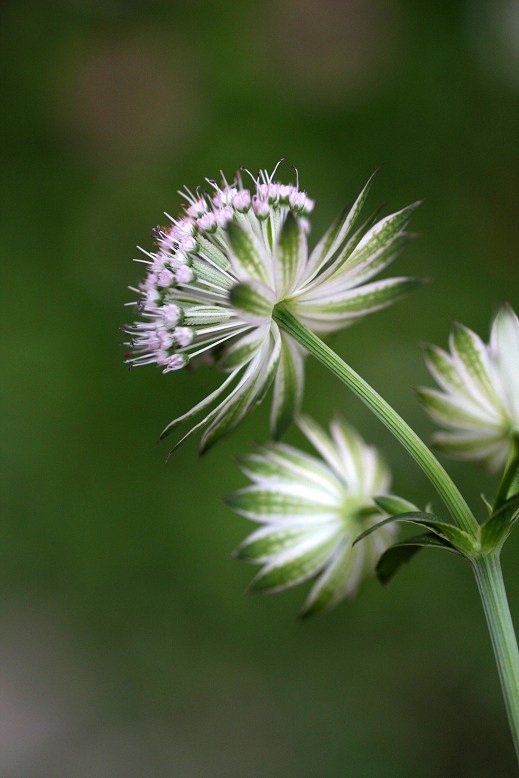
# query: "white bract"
{"points": [[311, 510], [479, 401], [220, 269]]}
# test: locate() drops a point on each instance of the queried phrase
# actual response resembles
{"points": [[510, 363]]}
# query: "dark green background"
{"points": [[128, 648]]}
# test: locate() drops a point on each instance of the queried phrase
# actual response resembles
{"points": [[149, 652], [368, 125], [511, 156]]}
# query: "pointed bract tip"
{"points": [[307, 613]]}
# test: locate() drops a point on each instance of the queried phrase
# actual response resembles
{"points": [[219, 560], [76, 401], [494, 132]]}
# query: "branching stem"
{"points": [[422, 455]]}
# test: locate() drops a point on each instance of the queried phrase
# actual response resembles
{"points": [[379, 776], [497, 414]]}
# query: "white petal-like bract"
{"points": [[478, 404], [310, 510]]}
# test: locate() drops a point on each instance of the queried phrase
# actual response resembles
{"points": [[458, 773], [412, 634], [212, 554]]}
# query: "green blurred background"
{"points": [[128, 649]]}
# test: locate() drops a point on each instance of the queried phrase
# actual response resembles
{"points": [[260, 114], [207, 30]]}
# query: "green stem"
{"points": [[509, 474], [487, 570], [441, 481]]}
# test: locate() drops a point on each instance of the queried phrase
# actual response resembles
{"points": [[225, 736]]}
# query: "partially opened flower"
{"points": [[311, 510], [479, 398], [218, 272]]}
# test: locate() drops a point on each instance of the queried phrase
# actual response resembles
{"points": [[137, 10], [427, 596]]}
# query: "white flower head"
{"points": [[479, 398], [221, 267], [311, 510]]}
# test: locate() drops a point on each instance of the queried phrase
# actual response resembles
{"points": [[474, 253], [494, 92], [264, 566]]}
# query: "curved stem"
{"points": [[441, 481], [487, 570]]}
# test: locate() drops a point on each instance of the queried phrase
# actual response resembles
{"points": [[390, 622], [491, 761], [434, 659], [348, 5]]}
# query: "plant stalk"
{"points": [[487, 570], [441, 481]]}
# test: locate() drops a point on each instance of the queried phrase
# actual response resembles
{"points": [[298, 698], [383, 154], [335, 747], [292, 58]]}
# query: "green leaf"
{"points": [[400, 553], [514, 486], [497, 528], [412, 517], [394, 505], [453, 535], [487, 504]]}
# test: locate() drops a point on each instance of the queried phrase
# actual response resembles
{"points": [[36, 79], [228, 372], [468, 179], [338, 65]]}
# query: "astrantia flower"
{"points": [[479, 401], [312, 509], [220, 268]]}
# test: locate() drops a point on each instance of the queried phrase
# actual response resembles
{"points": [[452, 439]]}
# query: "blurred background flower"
{"points": [[310, 510], [479, 401], [128, 647]]}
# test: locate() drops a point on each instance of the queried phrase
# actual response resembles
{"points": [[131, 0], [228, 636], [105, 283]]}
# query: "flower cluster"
{"points": [[311, 510], [479, 401], [220, 269], [189, 269]]}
